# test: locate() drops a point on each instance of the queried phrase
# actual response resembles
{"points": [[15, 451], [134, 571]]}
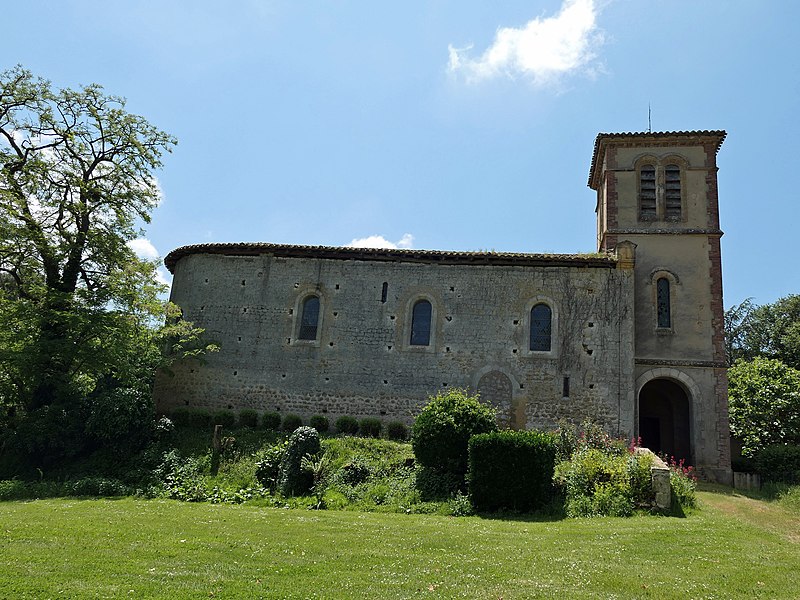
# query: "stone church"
{"points": [[630, 336]]}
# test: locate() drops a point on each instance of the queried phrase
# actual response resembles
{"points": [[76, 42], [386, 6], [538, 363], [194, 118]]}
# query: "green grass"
{"points": [[733, 546]]}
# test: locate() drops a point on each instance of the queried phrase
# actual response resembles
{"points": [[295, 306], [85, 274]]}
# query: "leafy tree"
{"points": [[764, 396], [79, 312], [771, 330]]}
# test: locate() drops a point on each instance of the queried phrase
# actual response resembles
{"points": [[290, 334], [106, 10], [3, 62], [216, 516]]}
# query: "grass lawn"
{"points": [[66, 548]]}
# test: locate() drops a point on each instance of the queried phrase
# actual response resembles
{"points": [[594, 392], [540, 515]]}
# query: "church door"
{"points": [[664, 418]]}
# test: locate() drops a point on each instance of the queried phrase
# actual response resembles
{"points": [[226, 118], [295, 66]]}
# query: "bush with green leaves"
{"points": [[291, 422], [293, 479], [226, 418], [320, 423], [605, 482], [370, 427], [346, 425], [248, 418], [268, 464], [511, 470], [779, 463], [764, 398], [202, 419], [99, 486], [440, 438], [271, 420], [397, 430]]}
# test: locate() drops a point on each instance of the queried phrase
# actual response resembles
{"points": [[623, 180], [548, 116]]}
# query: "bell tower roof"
{"points": [[654, 138]]}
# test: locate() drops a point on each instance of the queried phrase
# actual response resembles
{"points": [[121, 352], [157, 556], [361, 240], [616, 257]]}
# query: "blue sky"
{"points": [[441, 125]]}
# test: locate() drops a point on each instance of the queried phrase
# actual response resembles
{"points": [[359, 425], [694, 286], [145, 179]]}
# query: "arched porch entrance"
{"points": [[664, 418]]}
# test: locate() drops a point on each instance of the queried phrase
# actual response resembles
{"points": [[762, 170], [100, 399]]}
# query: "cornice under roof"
{"points": [[394, 255], [680, 137]]}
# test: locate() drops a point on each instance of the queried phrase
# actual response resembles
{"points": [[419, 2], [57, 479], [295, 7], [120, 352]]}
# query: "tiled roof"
{"points": [[394, 255], [717, 136]]}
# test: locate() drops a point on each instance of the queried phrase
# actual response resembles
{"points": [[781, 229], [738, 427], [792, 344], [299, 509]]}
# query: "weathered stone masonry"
{"points": [[608, 358]]}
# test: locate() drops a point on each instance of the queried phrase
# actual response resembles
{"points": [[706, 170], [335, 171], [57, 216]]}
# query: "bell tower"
{"points": [[659, 191]]}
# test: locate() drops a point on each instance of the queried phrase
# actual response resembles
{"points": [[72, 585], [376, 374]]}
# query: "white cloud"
{"points": [[163, 276], [378, 241], [143, 248], [543, 50]]}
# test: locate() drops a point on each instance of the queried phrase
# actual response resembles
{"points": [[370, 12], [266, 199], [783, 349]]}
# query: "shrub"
{"points": [[200, 418], [320, 423], [271, 420], [346, 425], [370, 427], [396, 430], [511, 470], [99, 486], [122, 415], [268, 463], [604, 482], [291, 422], [441, 433], [355, 472], [223, 417], [779, 463], [248, 418], [293, 479]]}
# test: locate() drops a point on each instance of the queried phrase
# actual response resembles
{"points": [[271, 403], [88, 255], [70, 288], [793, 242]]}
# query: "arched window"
{"points": [[309, 319], [672, 185], [421, 323], [662, 303], [647, 192], [541, 328]]}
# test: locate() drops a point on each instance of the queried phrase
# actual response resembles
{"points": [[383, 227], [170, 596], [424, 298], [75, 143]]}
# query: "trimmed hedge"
{"points": [[248, 418], [223, 417], [395, 430], [370, 427], [291, 422], [511, 470], [271, 420], [442, 431], [198, 418], [320, 423], [779, 463], [347, 425]]}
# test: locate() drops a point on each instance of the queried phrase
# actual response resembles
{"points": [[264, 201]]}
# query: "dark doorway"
{"points": [[664, 419]]}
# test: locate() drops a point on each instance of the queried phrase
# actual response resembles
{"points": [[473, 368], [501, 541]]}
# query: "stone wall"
{"points": [[362, 362]]}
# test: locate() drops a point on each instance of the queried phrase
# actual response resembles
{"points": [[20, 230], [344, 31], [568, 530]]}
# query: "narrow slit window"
{"points": [[421, 324], [662, 303], [647, 192], [541, 334], [672, 185], [384, 291], [309, 319]]}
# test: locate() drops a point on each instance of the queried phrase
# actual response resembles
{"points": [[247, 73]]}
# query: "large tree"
{"points": [[764, 397], [770, 330], [79, 312]]}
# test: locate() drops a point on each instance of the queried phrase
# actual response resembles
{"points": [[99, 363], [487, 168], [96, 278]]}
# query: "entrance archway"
{"points": [[664, 418]]}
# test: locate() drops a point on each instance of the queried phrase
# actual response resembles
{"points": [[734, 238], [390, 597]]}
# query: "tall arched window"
{"points": [[541, 328], [664, 319], [647, 192], [309, 319], [672, 185], [421, 323]]}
